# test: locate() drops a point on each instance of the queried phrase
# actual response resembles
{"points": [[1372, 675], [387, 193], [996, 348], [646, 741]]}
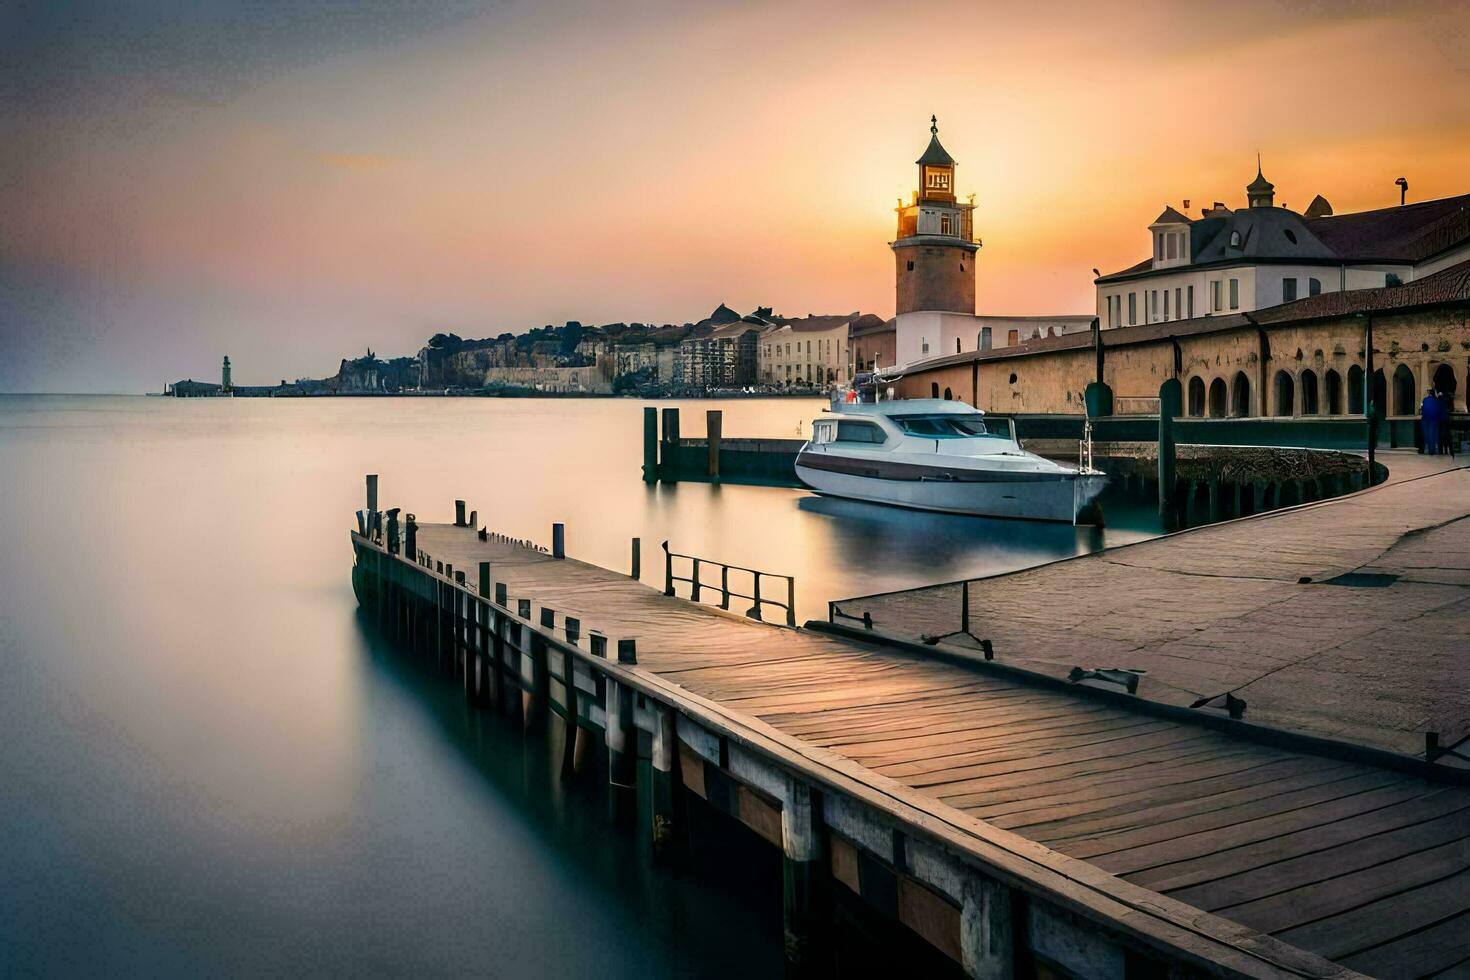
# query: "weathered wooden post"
{"points": [[622, 746], [392, 537], [410, 538], [637, 559], [489, 689], [372, 492], [1214, 491], [805, 883], [459, 518], [558, 540], [714, 427], [987, 929], [650, 444], [1170, 400], [669, 451], [665, 752]]}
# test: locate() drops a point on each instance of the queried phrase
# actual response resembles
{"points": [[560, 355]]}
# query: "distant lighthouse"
{"points": [[935, 246], [224, 383]]}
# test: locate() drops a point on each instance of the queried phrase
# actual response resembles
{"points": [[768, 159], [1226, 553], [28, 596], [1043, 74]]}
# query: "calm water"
{"points": [[207, 764]]}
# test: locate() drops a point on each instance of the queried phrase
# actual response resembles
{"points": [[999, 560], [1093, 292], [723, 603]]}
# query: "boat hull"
{"points": [[1024, 496]]}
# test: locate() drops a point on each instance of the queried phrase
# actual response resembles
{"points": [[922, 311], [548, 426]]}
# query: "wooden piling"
{"points": [[650, 444], [669, 447], [805, 888], [459, 518], [622, 746], [558, 540], [372, 492], [665, 753], [987, 929], [637, 572], [714, 426]]}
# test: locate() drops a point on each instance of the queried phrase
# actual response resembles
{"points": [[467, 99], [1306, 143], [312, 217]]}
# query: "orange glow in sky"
{"points": [[311, 194]]}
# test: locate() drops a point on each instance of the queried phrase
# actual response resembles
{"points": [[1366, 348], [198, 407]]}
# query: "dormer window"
{"points": [[1235, 239]]}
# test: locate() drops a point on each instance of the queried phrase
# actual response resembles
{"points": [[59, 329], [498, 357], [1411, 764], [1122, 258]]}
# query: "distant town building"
{"points": [[1222, 262], [874, 345], [725, 358], [812, 351]]}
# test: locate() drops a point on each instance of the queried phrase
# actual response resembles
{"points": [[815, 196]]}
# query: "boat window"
{"points": [[822, 432], [859, 432], [949, 426]]}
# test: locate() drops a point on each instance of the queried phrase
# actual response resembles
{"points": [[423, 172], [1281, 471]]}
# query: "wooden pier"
{"points": [[1020, 826]]}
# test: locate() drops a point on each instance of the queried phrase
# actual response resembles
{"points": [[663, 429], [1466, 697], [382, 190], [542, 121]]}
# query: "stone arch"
{"points": [[1332, 393], [1310, 404], [1284, 395], [948, 395], [1195, 404], [934, 389], [1355, 390], [1380, 393], [1240, 395], [1218, 399], [1405, 391], [1444, 380]]}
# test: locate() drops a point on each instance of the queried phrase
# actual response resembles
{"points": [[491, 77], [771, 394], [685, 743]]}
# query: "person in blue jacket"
{"points": [[1430, 412]]}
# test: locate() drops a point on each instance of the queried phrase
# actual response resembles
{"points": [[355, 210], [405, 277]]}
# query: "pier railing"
{"points": [[698, 585]]}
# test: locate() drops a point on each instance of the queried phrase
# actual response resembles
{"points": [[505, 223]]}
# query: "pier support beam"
{"points": [[804, 880], [622, 748], [714, 428], [987, 930], [665, 752]]}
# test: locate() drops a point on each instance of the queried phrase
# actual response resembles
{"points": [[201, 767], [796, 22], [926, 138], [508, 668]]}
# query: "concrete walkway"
{"points": [[1256, 606]]}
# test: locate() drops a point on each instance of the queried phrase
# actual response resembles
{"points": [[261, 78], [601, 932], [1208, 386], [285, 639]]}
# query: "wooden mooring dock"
{"points": [[1019, 825]]}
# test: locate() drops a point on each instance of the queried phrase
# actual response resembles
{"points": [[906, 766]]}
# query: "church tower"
{"points": [[935, 246]]}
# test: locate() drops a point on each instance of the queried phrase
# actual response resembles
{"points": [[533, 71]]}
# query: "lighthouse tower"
{"points": [[225, 384], [935, 246]]}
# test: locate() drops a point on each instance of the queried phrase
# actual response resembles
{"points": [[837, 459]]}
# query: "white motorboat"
{"points": [[931, 454]]}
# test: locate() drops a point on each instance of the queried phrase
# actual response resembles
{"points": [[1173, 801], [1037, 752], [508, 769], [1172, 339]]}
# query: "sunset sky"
{"points": [[180, 181]]}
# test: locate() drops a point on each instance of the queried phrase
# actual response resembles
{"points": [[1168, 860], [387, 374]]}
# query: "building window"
{"points": [[1013, 338], [1132, 309], [1172, 247], [1235, 294], [1153, 303], [984, 338], [1288, 290], [924, 346], [1159, 248], [1166, 304], [1215, 295], [957, 345], [1190, 293], [1235, 239], [944, 225], [1314, 287], [911, 265], [1178, 310]]}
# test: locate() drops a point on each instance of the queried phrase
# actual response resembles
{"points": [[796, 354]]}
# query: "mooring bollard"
{"points": [[627, 651], [459, 520], [637, 558], [558, 540]]}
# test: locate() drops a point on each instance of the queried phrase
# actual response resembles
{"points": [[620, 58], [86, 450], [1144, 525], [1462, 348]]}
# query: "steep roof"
{"points": [[1170, 217], [935, 155], [1409, 233], [870, 324]]}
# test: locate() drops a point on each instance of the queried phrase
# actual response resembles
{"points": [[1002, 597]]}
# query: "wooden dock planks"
{"points": [[1289, 843]]}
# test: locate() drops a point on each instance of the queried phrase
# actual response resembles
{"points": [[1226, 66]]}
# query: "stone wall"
{"points": [[1234, 368], [942, 278]]}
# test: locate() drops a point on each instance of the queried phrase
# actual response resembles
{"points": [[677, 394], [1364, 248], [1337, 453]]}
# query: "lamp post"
{"points": [[1370, 409]]}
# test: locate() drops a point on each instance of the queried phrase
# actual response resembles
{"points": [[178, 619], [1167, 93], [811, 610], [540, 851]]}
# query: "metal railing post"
{"points": [[725, 586], [790, 601], [668, 570]]}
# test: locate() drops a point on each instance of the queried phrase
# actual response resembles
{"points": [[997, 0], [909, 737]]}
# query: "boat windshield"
{"points": [[951, 426]]}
